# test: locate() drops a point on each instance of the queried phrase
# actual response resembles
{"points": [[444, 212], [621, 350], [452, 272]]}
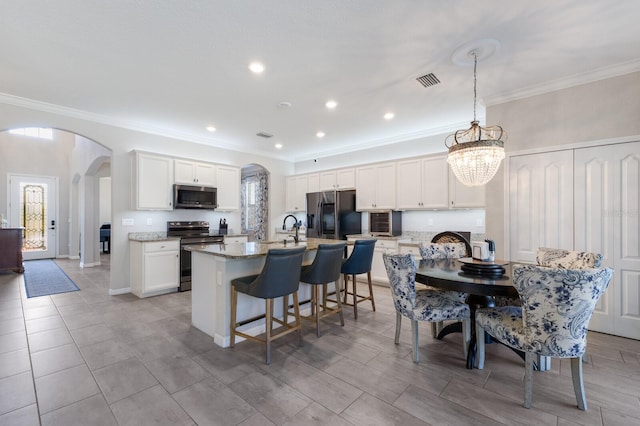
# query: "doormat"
{"points": [[44, 277]]}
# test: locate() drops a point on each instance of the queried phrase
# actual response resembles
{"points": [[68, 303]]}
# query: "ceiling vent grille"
{"points": [[264, 135], [428, 80]]}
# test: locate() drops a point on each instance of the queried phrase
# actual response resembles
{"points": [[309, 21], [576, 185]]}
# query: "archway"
{"points": [[254, 201]]}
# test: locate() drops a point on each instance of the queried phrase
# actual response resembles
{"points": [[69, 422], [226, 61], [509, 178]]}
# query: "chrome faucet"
{"points": [[296, 226]]}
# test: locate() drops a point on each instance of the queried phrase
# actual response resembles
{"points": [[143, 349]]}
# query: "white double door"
{"points": [[586, 199]]}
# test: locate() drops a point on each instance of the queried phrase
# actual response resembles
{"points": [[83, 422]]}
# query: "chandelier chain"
{"points": [[475, 79]]}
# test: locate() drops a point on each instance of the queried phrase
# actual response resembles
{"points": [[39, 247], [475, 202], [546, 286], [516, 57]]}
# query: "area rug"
{"points": [[44, 277]]}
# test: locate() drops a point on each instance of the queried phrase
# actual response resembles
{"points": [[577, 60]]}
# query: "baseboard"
{"points": [[89, 265], [62, 256], [74, 257], [118, 291]]}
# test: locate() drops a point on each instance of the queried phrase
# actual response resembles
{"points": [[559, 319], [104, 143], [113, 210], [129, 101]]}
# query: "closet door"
{"points": [[607, 221], [540, 203]]}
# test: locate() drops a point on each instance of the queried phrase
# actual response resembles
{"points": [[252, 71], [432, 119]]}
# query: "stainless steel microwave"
{"points": [[195, 197]]}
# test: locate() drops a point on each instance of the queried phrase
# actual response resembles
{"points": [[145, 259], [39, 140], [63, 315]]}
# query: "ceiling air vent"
{"points": [[428, 80], [264, 135]]}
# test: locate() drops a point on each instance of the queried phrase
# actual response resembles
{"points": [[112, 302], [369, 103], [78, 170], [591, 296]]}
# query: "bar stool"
{"points": [[325, 269], [358, 263], [280, 277]]}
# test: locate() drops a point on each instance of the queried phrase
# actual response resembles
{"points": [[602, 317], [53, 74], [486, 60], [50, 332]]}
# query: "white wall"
{"points": [[105, 201], [595, 111], [120, 142]]}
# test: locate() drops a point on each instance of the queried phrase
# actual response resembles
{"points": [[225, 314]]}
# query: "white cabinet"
{"points": [[462, 196], [235, 240], [313, 182], [191, 173], [228, 185], [155, 267], [378, 271], [337, 179], [296, 193], [152, 177], [376, 187], [422, 183]]}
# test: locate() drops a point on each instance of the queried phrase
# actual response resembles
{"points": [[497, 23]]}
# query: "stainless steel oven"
{"points": [[193, 232]]}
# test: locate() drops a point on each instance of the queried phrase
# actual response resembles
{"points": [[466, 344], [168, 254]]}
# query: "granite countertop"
{"points": [[150, 236], [380, 237], [253, 249]]}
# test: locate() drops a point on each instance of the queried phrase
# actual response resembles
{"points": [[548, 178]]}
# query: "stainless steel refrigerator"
{"points": [[332, 215]]}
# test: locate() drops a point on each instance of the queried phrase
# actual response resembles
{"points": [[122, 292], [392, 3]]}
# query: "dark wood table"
{"points": [[446, 274]]}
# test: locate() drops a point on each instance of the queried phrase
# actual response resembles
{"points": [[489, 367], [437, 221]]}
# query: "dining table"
{"points": [[482, 283]]}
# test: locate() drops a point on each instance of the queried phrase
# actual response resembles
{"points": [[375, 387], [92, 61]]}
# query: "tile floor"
{"points": [[86, 358]]}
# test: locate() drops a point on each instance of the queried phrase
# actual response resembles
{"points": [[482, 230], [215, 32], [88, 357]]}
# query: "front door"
{"points": [[33, 206]]}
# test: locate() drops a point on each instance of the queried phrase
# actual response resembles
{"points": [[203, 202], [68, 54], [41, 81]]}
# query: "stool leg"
{"points": [[296, 310], [346, 287], [339, 304], [316, 295], [285, 309], [373, 304], [234, 305], [355, 298], [268, 324]]}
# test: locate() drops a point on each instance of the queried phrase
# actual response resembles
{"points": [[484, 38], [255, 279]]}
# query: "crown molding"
{"points": [[565, 82]]}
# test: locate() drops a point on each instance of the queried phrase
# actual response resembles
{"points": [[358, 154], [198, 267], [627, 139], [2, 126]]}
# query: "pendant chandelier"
{"points": [[475, 153]]}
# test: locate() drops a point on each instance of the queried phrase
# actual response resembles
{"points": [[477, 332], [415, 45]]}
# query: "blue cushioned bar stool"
{"points": [[280, 277], [358, 263], [325, 269]]}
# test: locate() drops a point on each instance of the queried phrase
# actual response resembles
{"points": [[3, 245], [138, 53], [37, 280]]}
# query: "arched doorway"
{"points": [[254, 201]]}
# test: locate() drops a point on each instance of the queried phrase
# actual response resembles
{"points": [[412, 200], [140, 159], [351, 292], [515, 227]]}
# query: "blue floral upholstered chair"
{"points": [[424, 305], [557, 305], [434, 251]]}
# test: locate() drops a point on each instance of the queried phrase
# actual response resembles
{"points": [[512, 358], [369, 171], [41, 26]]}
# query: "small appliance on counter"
{"points": [[387, 223], [484, 250]]}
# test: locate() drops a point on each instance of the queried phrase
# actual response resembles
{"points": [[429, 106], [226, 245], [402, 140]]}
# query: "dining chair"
{"points": [[280, 277], [359, 262], [452, 237], [324, 269], [424, 305], [434, 251], [557, 305]]}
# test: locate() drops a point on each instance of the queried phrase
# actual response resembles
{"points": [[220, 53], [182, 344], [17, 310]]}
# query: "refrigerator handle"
{"points": [[320, 219]]}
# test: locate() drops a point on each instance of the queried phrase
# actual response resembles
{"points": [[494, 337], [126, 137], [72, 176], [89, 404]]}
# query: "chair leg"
{"points": [[466, 336], [414, 332], [234, 306], [337, 302], [578, 385], [296, 311], [268, 324], [373, 303], [355, 297], [434, 330], [398, 324], [316, 296], [346, 287], [528, 379], [285, 309], [480, 347]]}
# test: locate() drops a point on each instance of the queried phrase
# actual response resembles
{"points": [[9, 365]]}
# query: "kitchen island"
{"points": [[215, 265]]}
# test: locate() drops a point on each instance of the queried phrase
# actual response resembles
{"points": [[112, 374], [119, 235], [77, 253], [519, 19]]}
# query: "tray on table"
{"points": [[473, 266]]}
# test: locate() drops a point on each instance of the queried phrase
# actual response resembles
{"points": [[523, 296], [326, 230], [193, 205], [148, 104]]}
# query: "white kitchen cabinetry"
{"points": [[313, 183], [422, 184], [228, 188], [152, 182], [155, 267], [235, 240], [462, 196], [337, 179], [378, 271], [296, 193], [376, 187], [194, 173]]}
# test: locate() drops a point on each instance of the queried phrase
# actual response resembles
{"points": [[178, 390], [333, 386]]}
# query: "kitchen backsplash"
{"points": [[418, 236]]}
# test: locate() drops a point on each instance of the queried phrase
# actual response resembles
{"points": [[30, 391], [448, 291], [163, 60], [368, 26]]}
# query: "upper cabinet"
{"points": [[194, 173], [228, 184], [296, 193], [376, 187], [462, 196], [313, 182], [338, 179], [422, 184], [152, 182]]}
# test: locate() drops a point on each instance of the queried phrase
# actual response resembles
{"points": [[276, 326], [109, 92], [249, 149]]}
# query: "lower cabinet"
{"points": [[155, 267], [378, 271]]}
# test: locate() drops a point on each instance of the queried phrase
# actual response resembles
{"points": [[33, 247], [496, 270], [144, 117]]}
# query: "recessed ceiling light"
{"points": [[278, 146], [211, 128], [331, 104], [320, 134], [284, 105], [389, 116], [256, 67]]}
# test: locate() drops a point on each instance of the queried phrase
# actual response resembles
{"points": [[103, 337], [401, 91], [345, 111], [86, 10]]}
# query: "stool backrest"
{"points": [[361, 257], [280, 275], [557, 305], [326, 265]]}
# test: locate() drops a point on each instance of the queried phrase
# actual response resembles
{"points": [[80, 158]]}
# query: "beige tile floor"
{"points": [[86, 358]]}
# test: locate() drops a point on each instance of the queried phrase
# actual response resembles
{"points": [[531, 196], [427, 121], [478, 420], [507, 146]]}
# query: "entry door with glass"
{"points": [[33, 207]]}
